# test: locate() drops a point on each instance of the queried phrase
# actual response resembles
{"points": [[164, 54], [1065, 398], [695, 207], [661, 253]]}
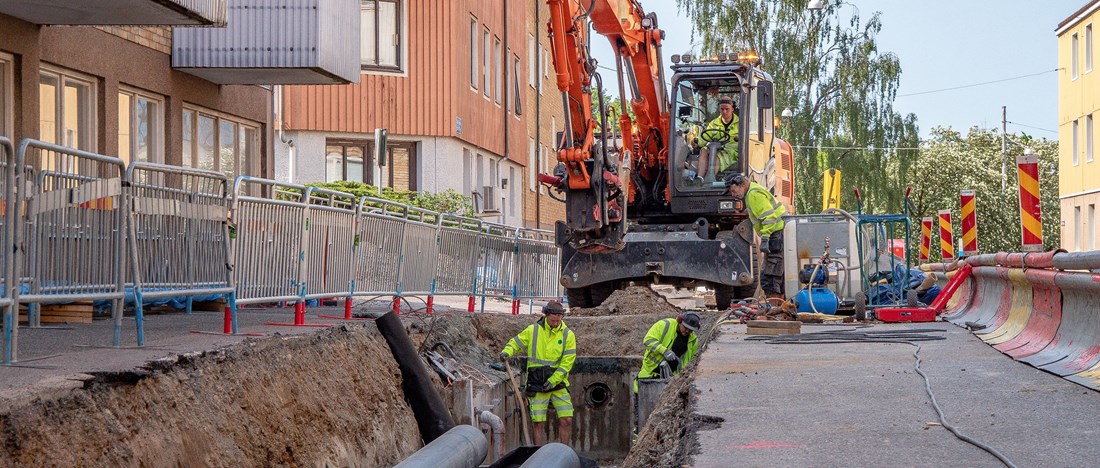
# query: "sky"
{"points": [[946, 44]]}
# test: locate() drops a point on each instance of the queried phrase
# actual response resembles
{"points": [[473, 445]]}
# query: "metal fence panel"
{"points": [[458, 256], [381, 233], [267, 240], [330, 248], [419, 252], [537, 265], [9, 281], [496, 259]]}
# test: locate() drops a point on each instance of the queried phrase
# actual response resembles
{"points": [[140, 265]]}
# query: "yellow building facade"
{"points": [[1078, 112]]}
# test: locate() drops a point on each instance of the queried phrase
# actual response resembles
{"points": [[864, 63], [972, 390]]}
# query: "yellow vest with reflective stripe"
{"points": [[765, 212], [659, 339], [545, 346]]}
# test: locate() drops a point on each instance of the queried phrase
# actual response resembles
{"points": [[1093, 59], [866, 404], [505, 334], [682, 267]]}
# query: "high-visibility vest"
{"points": [[726, 157], [545, 346], [765, 212], [658, 340]]}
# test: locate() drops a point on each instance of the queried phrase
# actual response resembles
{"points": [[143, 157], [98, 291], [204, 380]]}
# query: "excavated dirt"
{"points": [[324, 399], [633, 300]]}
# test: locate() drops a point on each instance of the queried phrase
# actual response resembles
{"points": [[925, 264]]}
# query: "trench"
{"points": [[331, 397]]}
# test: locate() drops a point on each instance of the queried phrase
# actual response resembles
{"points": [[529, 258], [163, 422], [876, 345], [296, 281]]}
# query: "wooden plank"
{"points": [[785, 324], [55, 319], [770, 331]]}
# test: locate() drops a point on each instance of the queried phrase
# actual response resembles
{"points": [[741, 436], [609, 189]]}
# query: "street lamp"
{"points": [[787, 113], [815, 5]]}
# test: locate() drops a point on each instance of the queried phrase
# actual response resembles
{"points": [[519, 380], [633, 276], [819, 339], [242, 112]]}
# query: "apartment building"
{"points": [[1078, 108], [167, 81], [454, 84]]}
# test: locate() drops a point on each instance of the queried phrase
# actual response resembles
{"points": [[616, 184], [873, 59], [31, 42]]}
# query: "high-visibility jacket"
{"points": [[658, 340], [545, 346], [728, 155], [765, 212]]}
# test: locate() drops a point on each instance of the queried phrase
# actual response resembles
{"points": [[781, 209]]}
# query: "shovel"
{"points": [[522, 403]]}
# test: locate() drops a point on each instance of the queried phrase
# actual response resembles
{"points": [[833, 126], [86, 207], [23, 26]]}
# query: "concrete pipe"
{"points": [[461, 447], [553, 455], [496, 425]]}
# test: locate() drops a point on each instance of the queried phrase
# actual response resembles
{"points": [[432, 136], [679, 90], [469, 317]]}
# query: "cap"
{"points": [[690, 320], [736, 178], [553, 307]]}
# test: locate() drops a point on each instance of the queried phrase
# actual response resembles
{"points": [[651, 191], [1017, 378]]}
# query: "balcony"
{"points": [[118, 12], [270, 42]]}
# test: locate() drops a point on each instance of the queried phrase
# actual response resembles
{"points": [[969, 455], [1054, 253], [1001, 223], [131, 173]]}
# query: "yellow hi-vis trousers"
{"points": [[563, 404]]}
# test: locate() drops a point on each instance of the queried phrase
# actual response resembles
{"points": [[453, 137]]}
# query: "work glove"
{"points": [[671, 356], [540, 388], [764, 247], [503, 356]]}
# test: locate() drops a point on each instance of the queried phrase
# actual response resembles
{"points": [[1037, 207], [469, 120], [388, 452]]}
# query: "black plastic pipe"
{"points": [[432, 417], [461, 447]]}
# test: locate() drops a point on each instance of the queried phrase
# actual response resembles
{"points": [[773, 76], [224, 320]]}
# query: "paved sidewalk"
{"points": [[862, 404]]}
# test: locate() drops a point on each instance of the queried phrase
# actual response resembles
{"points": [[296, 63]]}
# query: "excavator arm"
{"points": [[599, 187]]}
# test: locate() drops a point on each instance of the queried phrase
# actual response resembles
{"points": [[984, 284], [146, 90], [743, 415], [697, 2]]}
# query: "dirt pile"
{"points": [[330, 398], [633, 300]]}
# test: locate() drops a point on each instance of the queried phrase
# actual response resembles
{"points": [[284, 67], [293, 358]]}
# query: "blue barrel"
{"points": [[825, 300]]}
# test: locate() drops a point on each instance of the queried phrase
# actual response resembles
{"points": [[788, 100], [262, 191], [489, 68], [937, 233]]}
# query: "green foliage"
{"points": [[951, 162], [447, 201], [828, 70]]}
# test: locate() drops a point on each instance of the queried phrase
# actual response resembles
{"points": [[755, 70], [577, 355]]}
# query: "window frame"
{"points": [[399, 31], [157, 140], [253, 163], [1074, 49], [486, 63], [518, 108], [475, 77], [532, 49], [1088, 48], [1089, 138], [1076, 143], [7, 95], [368, 158], [63, 76], [497, 64]]}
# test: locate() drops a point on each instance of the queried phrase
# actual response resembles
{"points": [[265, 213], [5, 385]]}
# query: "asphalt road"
{"points": [[862, 404]]}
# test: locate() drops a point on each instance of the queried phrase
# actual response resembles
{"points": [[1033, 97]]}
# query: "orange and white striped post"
{"points": [[925, 238], [1031, 216], [969, 223], [947, 248]]}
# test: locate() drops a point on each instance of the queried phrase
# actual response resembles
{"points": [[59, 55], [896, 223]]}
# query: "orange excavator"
{"points": [[644, 202]]}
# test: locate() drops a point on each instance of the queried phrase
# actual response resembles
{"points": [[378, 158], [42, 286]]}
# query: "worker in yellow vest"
{"points": [[551, 348], [766, 215]]}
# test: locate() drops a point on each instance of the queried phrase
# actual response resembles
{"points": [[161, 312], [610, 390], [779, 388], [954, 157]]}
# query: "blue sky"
{"points": [[947, 44]]}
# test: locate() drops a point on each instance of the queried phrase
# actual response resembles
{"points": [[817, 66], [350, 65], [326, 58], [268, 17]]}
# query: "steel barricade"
{"points": [[330, 243], [496, 262], [381, 233], [419, 252], [457, 268], [178, 235], [9, 282], [73, 245], [267, 239], [537, 265]]}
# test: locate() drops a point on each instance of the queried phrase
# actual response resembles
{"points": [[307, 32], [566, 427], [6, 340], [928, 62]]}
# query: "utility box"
{"points": [[804, 241], [649, 391]]}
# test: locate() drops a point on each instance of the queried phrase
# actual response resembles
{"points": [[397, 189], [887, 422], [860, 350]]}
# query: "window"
{"points": [[541, 59], [531, 51], [140, 127], [486, 67], [515, 69], [1088, 138], [66, 109], [222, 143], [401, 168], [1076, 157], [1077, 228], [380, 43], [6, 104], [473, 53], [497, 68], [1074, 59], [348, 161], [1092, 227], [532, 165], [1088, 48]]}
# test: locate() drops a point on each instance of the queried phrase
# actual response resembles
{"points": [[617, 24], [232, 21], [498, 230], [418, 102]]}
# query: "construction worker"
{"points": [[766, 214], [551, 349], [670, 340], [723, 129]]}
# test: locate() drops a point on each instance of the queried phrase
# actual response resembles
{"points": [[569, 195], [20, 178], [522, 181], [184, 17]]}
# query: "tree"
{"points": [[951, 162], [827, 69]]}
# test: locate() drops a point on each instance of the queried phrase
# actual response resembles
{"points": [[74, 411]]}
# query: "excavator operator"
{"points": [[720, 137]]}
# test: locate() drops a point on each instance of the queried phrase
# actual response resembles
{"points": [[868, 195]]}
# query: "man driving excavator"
{"points": [[721, 135]]}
